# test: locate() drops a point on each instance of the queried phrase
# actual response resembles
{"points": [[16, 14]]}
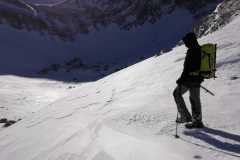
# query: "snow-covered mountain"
{"points": [[129, 114], [224, 13], [67, 18], [100, 32]]}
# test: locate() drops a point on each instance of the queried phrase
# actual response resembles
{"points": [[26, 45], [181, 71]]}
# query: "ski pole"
{"points": [[208, 91], [176, 135]]}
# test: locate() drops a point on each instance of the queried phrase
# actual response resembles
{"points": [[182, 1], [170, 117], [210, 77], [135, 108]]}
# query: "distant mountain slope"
{"points": [[38, 34], [67, 18], [224, 13]]}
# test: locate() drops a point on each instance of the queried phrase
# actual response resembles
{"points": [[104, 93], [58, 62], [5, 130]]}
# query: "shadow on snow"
{"points": [[209, 135]]}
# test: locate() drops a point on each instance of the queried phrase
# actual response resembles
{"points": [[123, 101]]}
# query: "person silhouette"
{"points": [[190, 82]]}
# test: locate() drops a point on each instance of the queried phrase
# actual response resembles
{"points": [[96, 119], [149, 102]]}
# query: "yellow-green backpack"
{"points": [[208, 61]]}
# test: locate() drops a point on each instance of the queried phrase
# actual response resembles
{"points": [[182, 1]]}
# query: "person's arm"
{"points": [[185, 69], [192, 64]]}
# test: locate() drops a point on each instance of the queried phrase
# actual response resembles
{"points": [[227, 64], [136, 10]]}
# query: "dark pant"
{"points": [[194, 99]]}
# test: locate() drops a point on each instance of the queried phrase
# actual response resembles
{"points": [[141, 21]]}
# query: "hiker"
{"points": [[190, 82]]}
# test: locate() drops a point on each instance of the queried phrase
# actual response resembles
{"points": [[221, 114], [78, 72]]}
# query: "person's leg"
{"points": [[181, 106], [196, 104]]}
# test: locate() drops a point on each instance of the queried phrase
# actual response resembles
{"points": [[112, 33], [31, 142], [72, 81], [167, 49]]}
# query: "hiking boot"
{"points": [[183, 120], [194, 125]]}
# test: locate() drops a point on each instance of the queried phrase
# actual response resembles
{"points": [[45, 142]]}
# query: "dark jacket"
{"points": [[192, 63]]}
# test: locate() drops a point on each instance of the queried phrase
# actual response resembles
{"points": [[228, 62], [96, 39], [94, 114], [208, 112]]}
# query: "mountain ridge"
{"points": [[69, 18]]}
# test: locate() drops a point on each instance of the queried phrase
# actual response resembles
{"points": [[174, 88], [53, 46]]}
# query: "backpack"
{"points": [[208, 61]]}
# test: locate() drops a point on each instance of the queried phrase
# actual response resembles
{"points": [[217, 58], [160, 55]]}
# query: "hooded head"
{"points": [[190, 40]]}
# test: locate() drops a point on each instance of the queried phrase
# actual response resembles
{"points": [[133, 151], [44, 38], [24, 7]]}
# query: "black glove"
{"points": [[181, 80]]}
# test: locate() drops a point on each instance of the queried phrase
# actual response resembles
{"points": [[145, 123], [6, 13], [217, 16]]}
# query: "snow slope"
{"points": [[23, 96], [130, 114], [222, 15]]}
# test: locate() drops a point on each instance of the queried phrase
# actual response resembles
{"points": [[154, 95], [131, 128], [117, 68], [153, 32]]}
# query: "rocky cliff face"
{"points": [[67, 18], [223, 14]]}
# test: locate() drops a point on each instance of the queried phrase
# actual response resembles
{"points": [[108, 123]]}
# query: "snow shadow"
{"points": [[71, 71], [236, 60], [219, 139]]}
